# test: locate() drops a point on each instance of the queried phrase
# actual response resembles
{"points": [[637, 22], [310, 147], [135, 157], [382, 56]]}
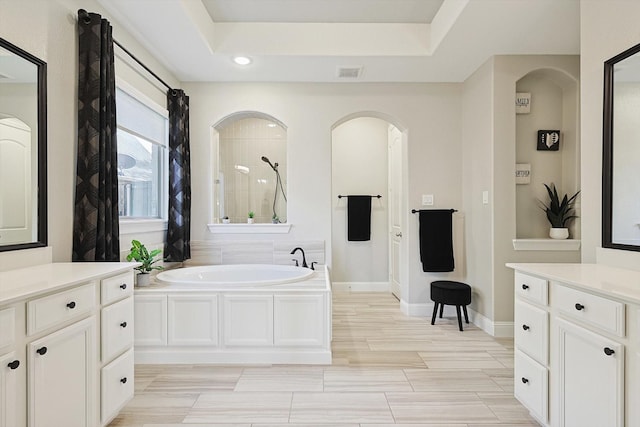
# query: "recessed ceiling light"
{"points": [[242, 60]]}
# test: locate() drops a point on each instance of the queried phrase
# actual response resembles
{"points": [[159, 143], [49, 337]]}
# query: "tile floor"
{"points": [[388, 369]]}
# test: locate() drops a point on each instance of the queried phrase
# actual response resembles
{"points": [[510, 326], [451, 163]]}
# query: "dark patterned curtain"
{"points": [[178, 245], [95, 222]]}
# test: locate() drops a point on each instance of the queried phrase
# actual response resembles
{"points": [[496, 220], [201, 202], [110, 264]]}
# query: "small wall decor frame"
{"points": [[523, 103], [548, 140], [523, 173]]}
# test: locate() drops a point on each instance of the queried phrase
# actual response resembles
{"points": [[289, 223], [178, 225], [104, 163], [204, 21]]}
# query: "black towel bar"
{"points": [[416, 210], [340, 196]]}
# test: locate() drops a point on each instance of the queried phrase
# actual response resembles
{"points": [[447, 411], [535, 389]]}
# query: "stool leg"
{"points": [[466, 316], [435, 310], [441, 307], [459, 317]]}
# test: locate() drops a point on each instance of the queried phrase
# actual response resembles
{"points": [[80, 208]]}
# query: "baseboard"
{"points": [[145, 356], [495, 329], [361, 286]]}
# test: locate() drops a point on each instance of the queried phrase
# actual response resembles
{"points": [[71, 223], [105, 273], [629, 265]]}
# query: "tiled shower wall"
{"points": [[248, 183], [254, 252]]}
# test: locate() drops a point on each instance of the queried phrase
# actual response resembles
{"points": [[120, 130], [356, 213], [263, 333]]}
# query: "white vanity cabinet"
{"points": [[583, 368], [55, 344]]}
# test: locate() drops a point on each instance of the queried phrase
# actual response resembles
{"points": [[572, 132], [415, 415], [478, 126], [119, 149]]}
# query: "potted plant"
{"points": [[559, 212], [275, 219], [140, 254], [250, 216], [226, 220]]}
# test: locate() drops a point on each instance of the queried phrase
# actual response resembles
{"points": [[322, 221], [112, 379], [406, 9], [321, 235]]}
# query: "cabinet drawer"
{"points": [[590, 309], [48, 311], [8, 327], [531, 385], [117, 328], [532, 288], [117, 287], [532, 331], [117, 385]]}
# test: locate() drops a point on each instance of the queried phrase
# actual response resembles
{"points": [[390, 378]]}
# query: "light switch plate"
{"points": [[485, 197], [427, 200]]}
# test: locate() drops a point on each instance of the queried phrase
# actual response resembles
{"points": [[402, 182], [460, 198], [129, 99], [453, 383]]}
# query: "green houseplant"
{"points": [[140, 254], [250, 216], [559, 212]]}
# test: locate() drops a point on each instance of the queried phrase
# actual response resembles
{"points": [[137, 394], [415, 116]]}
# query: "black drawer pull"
{"points": [[123, 380], [525, 327], [123, 324], [72, 305], [579, 307], [608, 351], [123, 286], [525, 287], [524, 380], [14, 364], [42, 351]]}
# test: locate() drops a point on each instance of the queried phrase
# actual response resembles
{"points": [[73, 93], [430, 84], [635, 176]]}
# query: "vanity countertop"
{"points": [[600, 279], [29, 282]]}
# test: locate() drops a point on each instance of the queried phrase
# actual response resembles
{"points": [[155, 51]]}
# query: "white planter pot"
{"points": [[559, 233], [249, 220], [143, 279]]}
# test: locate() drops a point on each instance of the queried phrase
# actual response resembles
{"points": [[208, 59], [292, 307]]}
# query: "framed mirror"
{"points": [[621, 152], [23, 149]]}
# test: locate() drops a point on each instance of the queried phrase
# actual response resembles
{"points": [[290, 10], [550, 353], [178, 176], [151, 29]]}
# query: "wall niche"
{"points": [[554, 106]]}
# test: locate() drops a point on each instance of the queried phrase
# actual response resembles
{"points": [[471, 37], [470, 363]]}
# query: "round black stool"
{"points": [[447, 292]]}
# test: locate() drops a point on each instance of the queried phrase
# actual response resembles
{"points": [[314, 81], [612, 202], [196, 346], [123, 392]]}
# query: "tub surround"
{"points": [[225, 324], [577, 344], [253, 251]]}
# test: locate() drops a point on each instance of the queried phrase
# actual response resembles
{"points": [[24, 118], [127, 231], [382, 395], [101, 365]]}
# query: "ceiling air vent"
{"points": [[349, 72]]}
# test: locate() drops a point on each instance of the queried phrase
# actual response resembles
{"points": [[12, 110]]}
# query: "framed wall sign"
{"points": [[548, 140], [523, 173], [523, 103]]}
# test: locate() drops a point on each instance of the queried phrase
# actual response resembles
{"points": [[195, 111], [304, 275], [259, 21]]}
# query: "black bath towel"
{"points": [[436, 240], [358, 218]]}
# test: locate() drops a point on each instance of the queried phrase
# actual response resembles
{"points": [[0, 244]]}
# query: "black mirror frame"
{"points": [[607, 152], [42, 238]]}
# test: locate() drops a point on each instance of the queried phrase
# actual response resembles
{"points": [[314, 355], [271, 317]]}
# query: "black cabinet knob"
{"points": [[71, 305], [123, 286], [14, 364], [579, 307], [123, 380], [525, 327], [525, 287], [42, 351], [608, 351], [524, 380], [123, 324]]}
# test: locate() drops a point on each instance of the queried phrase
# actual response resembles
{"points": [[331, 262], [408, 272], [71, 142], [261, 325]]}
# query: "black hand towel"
{"points": [[358, 218], [436, 240]]}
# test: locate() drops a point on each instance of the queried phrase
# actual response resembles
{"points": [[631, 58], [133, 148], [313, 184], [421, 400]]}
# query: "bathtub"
{"points": [[234, 276], [234, 314]]}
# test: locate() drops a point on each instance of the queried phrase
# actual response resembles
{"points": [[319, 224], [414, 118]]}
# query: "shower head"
{"points": [[266, 160]]}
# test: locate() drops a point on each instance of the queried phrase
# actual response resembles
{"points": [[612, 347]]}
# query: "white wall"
{"points": [[47, 29], [430, 113], [359, 166], [606, 29]]}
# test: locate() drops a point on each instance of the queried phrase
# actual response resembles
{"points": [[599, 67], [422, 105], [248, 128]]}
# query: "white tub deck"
{"points": [[235, 323]]}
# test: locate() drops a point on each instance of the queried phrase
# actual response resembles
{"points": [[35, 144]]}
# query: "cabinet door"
{"points": [[9, 369], [299, 320], [62, 377], [150, 320], [193, 320], [590, 378], [248, 320]]}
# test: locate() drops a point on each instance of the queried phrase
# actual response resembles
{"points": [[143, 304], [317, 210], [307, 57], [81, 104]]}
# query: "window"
{"points": [[142, 156]]}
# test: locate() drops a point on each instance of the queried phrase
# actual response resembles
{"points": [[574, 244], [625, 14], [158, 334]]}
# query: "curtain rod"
{"points": [[84, 15]]}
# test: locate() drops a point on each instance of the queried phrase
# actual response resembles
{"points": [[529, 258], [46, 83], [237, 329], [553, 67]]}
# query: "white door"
{"points": [[395, 214], [15, 168], [61, 377], [9, 369], [590, 379]]}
